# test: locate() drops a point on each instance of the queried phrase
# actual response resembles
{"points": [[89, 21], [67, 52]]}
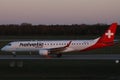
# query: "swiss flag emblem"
{"points": [[109, 34]]}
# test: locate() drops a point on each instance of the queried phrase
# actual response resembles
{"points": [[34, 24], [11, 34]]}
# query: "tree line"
{"points": [[27, 29]]}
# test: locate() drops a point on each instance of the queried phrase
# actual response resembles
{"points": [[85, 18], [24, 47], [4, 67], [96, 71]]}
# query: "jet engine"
{"points": [[43, 52]]}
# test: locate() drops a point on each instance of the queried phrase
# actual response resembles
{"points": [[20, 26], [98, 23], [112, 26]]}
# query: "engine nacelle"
{"points": [[43, 52]]}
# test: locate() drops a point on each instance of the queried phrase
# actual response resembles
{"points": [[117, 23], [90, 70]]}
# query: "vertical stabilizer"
{"points": [[109, 35]]}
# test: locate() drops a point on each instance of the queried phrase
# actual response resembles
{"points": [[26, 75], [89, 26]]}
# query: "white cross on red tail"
{"points": [[109, 34]]}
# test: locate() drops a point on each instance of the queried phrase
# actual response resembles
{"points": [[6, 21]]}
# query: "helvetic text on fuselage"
{"points": [[36, 45]]}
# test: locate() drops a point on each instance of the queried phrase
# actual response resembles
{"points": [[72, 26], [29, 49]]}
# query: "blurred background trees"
{"points": [[27, 29]]}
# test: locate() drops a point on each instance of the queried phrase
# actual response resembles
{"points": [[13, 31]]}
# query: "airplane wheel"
{"points": [[59, 55]]}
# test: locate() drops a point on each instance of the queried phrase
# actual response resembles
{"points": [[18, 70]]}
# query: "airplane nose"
{"points": [[3, 49]]}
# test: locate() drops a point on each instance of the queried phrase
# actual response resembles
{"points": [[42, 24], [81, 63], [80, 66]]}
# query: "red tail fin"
{"points": [[109, 35], [107, 39]]}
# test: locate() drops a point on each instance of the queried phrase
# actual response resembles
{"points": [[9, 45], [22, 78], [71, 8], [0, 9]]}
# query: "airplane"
{"points": [[46, 47]]}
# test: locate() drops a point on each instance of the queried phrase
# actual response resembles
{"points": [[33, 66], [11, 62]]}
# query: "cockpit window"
{"points": [[9, 44]]}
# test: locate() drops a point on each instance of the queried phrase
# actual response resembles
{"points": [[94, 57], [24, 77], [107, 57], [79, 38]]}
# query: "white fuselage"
{"points": [[75, 45]]}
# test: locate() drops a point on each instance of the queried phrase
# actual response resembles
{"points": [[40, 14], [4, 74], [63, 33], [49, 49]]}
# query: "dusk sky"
{"points": [[59, 11]]}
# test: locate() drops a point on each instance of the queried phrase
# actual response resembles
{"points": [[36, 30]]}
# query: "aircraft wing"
{"points": [[59, 49]]}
